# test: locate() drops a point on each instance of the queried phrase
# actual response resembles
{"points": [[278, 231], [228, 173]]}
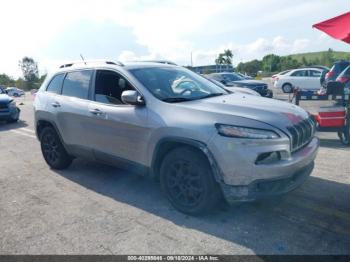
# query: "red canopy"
{"points": [[337, 27]]}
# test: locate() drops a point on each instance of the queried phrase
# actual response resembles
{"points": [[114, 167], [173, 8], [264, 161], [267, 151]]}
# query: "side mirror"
{"points": [[132, 97]]}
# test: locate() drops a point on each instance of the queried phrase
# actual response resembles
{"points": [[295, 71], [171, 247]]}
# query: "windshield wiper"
{"points": [[176, 99], [211, 95]]}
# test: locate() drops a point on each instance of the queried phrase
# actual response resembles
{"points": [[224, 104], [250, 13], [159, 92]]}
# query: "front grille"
{"points": [[302, 133], [3, 106], [261, 87]]}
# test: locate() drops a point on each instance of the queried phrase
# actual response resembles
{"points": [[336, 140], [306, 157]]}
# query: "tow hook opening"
{"points": [[268, 158]]}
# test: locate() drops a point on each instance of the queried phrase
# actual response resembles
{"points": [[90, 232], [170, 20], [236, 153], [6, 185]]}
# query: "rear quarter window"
{"points": [[77, 83], [55, 84]]}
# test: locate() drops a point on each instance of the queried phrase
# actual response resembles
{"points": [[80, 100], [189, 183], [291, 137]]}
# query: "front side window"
{"points": [[233, 77], [299, 73], [76, 84], [176, 84], [55, 84], [109, 87]]}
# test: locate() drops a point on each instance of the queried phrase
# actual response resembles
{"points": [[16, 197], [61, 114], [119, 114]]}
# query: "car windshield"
{"points": [[175, 84], [284, 72], [233, 77]]}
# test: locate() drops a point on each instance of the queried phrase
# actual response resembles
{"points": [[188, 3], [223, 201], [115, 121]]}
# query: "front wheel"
{"points": [[187, 181], [52, 149], [287, 88]]}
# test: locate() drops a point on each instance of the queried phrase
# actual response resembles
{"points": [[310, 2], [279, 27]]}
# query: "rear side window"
{"points": [[76, 84], [338, 68], [55, 84], [314, 73], [346, 72]]}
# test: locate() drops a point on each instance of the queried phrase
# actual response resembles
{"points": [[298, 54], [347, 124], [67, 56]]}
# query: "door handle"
{"points": [[56, 104], [96, 111]]}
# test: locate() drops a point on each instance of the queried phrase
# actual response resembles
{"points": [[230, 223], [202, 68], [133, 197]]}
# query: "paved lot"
{"points": [[95, 209]]}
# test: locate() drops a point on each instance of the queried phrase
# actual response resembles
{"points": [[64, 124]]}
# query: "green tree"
{"points": [[6, 80], [251, 67], [30, 71], [270, 63], [220, 60], [327, 58], [304, 61], [228, 56]]}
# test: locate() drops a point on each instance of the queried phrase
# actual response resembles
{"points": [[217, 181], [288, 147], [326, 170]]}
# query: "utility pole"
{"points": [[191, 60]]}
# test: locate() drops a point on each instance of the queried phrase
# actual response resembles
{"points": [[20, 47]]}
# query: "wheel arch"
{"points": [[42, 123], [167, 144]]}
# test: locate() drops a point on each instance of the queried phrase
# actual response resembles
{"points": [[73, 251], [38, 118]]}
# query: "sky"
{"points": [[54, 32]]}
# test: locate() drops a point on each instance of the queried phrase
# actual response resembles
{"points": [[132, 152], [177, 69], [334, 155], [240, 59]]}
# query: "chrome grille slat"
{"points": [[301, 133]]}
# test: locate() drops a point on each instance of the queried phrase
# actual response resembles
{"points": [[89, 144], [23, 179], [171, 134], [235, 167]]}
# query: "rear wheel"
{"points": [[52, 149], [344, 136], [287, 88], [187, 180]]}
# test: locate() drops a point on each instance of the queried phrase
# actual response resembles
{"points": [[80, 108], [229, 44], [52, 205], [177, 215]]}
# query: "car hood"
{"points": [[248, 82], [5, 98], [242, 90], [270, 111]]}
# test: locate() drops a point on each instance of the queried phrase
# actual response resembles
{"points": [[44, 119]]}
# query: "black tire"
{"points": [[186, 179], [287, 88], [52, 149], [344, 137]]}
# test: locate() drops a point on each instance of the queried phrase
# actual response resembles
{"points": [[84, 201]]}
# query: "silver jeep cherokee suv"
{"points": [[201, 141]]}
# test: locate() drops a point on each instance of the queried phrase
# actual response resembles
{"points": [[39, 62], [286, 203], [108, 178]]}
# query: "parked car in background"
{"points": [[245, 76], [234, 89], [9, 112], [344, 77], [335, 71], [304, 79], [14, 91], [202, 143], [273, 77], [2, 90], [235, 80]]}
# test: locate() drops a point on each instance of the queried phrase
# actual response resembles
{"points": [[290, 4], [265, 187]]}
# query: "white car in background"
{"points": [[273, 78], [304, 79], [14, 91]]}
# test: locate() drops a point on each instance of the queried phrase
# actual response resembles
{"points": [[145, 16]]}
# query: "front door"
{"points": [[116, 131]]}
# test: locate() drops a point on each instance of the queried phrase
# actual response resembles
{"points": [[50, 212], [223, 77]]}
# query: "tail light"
{"points": [[343, 79], [329, 74]]}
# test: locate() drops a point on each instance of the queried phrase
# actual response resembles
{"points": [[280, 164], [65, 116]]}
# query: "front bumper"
{"points": [[242, 179], [8, 113], [267, 187]]}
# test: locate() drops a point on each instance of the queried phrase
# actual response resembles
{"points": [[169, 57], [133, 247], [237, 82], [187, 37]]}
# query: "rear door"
{"points": [[73, 111], [314, 79]]}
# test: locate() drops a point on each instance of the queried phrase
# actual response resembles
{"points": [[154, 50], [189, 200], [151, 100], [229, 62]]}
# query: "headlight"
{"points": [[12, 103], [245, 132]]}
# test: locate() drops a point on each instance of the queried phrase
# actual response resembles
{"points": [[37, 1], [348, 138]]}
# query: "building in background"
{"points": [[208, 69]]}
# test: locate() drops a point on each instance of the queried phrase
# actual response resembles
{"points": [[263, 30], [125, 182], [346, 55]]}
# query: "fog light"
{"points": [[268, 158]]}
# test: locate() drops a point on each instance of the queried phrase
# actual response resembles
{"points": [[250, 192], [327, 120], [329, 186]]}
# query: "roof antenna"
{"points": [[82, 58]]}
